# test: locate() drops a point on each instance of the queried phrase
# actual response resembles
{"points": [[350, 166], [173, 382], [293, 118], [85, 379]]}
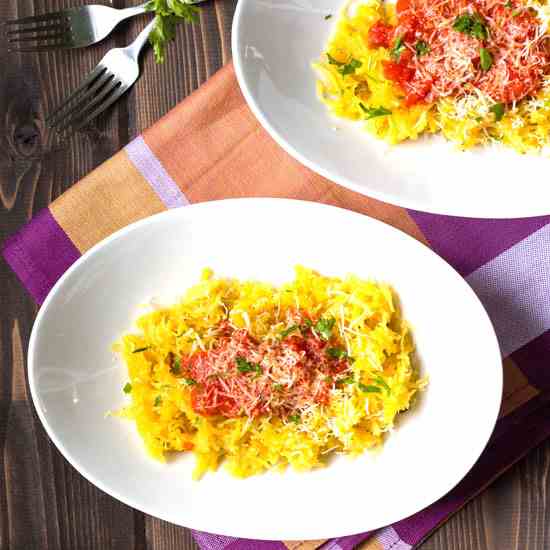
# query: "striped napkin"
{"points": [[211, 147]]}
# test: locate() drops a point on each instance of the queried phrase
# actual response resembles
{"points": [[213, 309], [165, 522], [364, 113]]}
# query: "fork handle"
{"points": [[130, 12], [136, 46]]}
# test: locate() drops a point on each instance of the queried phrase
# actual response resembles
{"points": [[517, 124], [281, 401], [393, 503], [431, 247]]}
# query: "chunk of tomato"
{"points": [[380, 35], [397, 72], [402, 5]]}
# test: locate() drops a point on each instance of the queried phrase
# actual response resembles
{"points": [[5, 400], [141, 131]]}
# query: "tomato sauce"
{"points": [[241, 375], [432, 56]]}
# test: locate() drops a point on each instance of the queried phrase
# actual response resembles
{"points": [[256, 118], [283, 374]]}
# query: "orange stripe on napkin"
{"points": [[226, 153], [120, 194]]}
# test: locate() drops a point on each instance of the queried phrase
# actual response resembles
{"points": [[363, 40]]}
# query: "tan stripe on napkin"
{"points": [[517, 389], [371, 544], [120, 196], [304, 544]]}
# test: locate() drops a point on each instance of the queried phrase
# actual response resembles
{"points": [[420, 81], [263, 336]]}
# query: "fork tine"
{"points": [[37, 18], [119, 91], [104, 94], [39, 38], [89, 89], [37, 29], [96, 73]]}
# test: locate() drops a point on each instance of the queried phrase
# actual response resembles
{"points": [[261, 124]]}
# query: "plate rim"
{"points": [[89, 476], [387, 197]]}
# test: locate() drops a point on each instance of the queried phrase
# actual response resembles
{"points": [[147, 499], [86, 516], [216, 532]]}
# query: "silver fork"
{"points": [[112, 77], [71, 28]]}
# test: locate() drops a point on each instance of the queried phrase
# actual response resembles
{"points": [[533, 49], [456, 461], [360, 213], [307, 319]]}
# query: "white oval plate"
{"points": [[74, 379], [274, 44]]}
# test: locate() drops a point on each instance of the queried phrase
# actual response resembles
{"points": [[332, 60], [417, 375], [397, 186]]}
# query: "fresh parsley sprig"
{"points": [[168, 14]]}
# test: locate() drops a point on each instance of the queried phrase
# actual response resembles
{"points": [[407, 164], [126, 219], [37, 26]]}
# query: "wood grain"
{"points": [[44, 503]]}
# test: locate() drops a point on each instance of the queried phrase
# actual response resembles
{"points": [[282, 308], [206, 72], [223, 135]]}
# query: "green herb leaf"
{"points": [[351, 67], [463, 23], [168, 14], [369, 389], [373, 112], [289, 330], [158, 401], [479, 30], [508, 4], [176, 366], [278, 387], [324, 327], [472, 25], [328, 16], [333, 61], [498, 110], [485, 59], [337, 353], [189, 381], [398, 47], [379, 380], [305, 326], [350, 379], [422, 48], [245, 366], [139, 350], [515, 13], [294, 418], [127, 388]]}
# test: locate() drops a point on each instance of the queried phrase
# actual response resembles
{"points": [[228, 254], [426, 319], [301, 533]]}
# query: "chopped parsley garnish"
{"points": [[189, 381], [350, 379], [333, 61], [139, 350], [369, 389], [306, 325], [345, 68], [289, 330], [472, 25], [498, 110], [127, 388], [373, 112], [245, 366], [158, 401], [324, 327], [380, 381], [328, 16], [397, 49], [422, 48], [294, 418], [515, 13], [278, 387], [351, 67], [176, 366], [508, 4], [485, 59], [337, 353]]}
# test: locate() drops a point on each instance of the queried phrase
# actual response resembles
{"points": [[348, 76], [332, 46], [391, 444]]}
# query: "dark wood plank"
{"points": [[44, 502], [512, 514]]}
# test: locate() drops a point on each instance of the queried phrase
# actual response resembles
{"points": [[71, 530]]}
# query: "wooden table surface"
{"points": [[44, 503]]}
